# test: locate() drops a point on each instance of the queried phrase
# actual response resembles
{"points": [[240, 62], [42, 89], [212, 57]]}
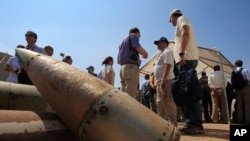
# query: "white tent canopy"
{"points": [[208, 58]]}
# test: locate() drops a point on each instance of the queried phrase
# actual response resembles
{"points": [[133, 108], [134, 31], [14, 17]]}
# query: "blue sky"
{"points": [[90, 30]]}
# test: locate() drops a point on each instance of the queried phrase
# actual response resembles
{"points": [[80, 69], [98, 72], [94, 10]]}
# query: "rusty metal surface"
{"points": [[120, 117], [27, 125], [91, 107], [19, 89], [15, 96], [70, 91]]}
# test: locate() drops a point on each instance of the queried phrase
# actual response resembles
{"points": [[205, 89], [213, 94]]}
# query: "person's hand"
{"points": [[145, 57], [139, 61], [15, 70], [183, 61], [163, 83]]}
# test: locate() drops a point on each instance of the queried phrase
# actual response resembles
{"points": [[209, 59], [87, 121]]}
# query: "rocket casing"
{"points": [[33, 126], [14, 96], [92, 108]]}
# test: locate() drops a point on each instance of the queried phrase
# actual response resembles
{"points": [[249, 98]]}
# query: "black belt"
{"points": [[130, 64]]}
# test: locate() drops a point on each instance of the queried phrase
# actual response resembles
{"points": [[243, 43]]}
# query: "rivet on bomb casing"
{"points": [[103, 110]]}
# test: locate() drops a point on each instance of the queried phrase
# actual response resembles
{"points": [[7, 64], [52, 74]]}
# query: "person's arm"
{"points": [[165, 74], [210, 82], [225, 81], [184, 41], [142, 51], [8, 68], [185, 34], [247, 74], [109, 77], [143, 88], [152, 82]]}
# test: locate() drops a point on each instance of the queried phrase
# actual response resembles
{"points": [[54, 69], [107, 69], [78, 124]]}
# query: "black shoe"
{"points": [[193, 130]]}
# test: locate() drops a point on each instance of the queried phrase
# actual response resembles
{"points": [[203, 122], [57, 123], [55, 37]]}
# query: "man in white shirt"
{"points": [[217, 82], [186, 57], [163, 72], [13, 67]]}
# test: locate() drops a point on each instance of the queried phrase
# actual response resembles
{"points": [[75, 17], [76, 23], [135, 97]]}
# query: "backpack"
{"points": [[204, 83], [238, 81]]}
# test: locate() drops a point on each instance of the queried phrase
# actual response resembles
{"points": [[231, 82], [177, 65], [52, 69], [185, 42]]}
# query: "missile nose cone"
{"points": [[25, 56]]}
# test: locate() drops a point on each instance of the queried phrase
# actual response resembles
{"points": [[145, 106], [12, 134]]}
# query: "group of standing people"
{"points": [[168, 65], [106, 73], [218, 93], [158, 85], [17, 73], [185, 54]]}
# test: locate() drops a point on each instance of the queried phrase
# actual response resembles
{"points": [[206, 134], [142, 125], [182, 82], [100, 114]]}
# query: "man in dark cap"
{"points": [[163, 71], [91, 70], [67, 59]]}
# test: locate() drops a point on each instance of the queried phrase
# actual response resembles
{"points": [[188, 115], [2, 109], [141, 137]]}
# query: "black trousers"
{"points": [[23, 78]]}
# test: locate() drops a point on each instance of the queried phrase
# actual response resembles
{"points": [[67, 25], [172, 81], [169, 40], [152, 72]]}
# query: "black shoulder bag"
{"points": [[186, 88]]}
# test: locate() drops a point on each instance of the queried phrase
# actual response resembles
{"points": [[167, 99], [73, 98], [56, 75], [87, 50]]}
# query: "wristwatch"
{"points": [[181, 54]]}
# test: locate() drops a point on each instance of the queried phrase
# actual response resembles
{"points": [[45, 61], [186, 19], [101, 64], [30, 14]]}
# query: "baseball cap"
{"points": [[90, 67], [174, 11], [161, 39]]}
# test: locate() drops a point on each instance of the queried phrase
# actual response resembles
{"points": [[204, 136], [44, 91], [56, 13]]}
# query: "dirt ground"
{"points": [[213, 132]]}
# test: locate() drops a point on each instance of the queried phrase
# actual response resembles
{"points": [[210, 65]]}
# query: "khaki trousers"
{"points": [[219, 102], [165, 103], [129, 75]]}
